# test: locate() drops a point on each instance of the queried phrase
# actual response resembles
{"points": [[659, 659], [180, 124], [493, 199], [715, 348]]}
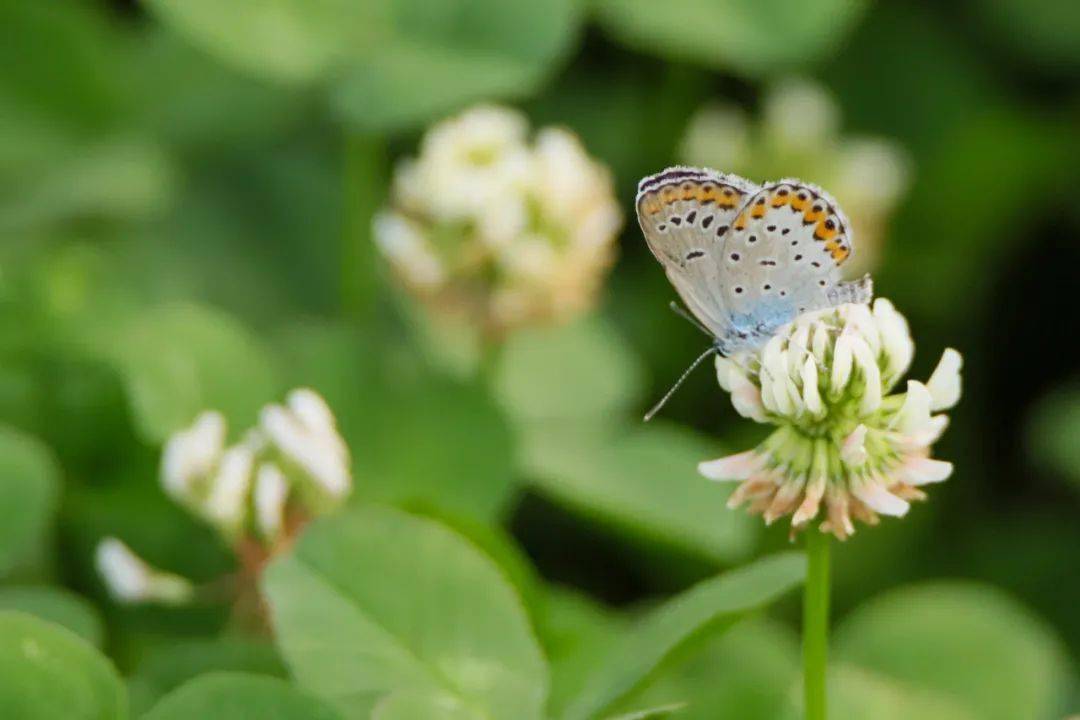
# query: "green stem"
{"points": [[364, 189], [816, 623]]}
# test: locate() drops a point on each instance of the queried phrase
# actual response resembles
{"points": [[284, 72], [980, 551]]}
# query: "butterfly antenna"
{"points": [[667, 396], [685, 315]]}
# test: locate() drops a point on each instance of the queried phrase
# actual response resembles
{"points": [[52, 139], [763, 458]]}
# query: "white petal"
{"points": [[864, 358], [318, 456], [746, 398], [914, 415], [733, 467], [842, 362], [271, 492], [895, 338], [724, 369], [811, 503], [226, 503], [191, 454], [131, 579], [877, 498], [798, 348], [917, 470], [944, 383], [858, 316], [853, 448], [810, 394]]}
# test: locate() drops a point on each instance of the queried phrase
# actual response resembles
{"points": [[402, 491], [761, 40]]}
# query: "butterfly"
{"points": [[747, 259]]}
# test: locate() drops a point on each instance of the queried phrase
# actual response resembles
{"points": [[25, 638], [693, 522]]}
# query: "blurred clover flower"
{"points": [[257, 493], [842, 440], [502, 232], [130, 579], [799, 134]]}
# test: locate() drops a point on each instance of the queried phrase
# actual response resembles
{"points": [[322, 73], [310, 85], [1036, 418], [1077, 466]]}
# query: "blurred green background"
{"points": [[186, 189]]}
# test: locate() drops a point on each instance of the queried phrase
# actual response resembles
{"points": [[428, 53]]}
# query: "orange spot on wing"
{"points": [[781, 200], [669, 195], [740, 222], [757, 211], [821, 232]]}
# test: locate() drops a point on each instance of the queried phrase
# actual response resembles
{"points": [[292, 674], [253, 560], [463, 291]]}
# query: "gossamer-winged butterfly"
{"points": [[746, 259]]}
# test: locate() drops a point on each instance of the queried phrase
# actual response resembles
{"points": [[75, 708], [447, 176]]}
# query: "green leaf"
{"points": [[49, 673], [387, 64], [856, 694], [239, 696], [56, 605], [744, 36], [655, 712], [644, 482], [407, 705], [373, 601], [1052, 432], [168, 667], [29, 489], [753, 667], [584, 369], [416, 437], [711, 605], [968, 642], [177, 360]]}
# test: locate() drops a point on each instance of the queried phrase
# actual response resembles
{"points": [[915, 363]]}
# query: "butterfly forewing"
{"points": [[686, 215]]}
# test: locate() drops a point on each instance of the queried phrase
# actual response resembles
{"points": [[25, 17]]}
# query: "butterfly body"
{"points": [[747, 259]]}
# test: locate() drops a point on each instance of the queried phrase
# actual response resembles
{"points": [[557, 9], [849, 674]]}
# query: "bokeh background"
{"points": [[186, 197]]}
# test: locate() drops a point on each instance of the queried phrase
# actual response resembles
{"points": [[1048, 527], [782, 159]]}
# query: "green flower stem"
{"points": [[816, 623], [364, 174]]}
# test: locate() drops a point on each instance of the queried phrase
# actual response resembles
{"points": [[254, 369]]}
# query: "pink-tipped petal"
{"points": [[917, 470], [739, 466]]}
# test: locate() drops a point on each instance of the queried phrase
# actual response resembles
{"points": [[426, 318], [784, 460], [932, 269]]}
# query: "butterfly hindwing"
{"points": [[783, 256], [686, 214]]}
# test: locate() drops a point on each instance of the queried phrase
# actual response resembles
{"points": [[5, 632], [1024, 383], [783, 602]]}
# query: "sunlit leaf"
{"points": [[49, 673], [29, 489], [373, 602], [968, 642], [708, 606], [238, 696]]}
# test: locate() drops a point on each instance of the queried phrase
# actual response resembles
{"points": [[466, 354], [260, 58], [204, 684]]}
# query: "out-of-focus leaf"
{"points": [[239, 696], [168, 667], [747, 37], [968, 642], [856, 694], [374, 601], [177, 360], [386, 64], [49, 673], [584, 369], [708, 606], [29, 489], [432, 58], [655, 712], [1052, 433], [56, 605], [416, 436], [748, 673], [644, 482], [1044, 32], [577, 634], [408, 705]]}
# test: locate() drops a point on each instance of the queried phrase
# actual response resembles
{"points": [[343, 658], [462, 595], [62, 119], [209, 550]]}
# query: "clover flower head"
{"points": [[504, 231], [130, 579], [799, 133], [845, 443], [248, 484]]}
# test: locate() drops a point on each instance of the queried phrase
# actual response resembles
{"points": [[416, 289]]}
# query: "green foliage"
{"points": [[29, 486], [180, 359], [49, 673], [751, 38], [715, 603], [56, 605], [970, 643], [238, 696], [375, 602], [616, 481], [386, 64]]}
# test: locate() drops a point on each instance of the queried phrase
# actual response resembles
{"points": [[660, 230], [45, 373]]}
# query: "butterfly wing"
{"points": [[685, 214], [783, 256]]}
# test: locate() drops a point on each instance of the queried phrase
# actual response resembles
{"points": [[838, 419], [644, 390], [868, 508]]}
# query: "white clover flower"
{"points": [[130, 579], [843, 440], [486, 225], [271, 494], [192, 454], [798, 133], [304, 434]]}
